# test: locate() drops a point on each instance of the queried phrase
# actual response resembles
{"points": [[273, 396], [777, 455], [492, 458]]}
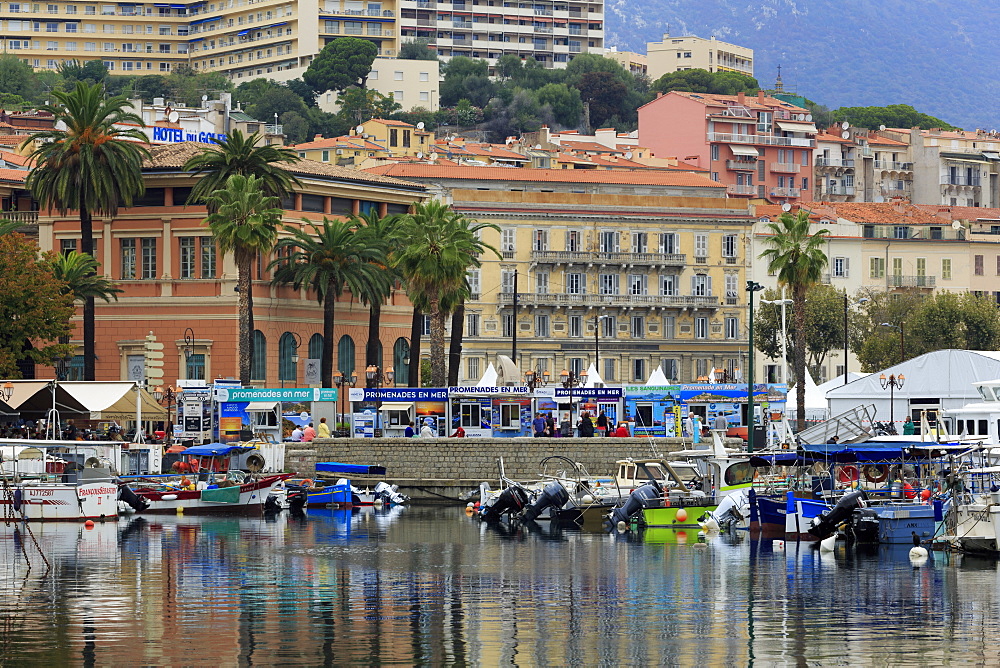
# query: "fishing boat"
{"points": [[215, 488], [58, 480], [342, 494]]}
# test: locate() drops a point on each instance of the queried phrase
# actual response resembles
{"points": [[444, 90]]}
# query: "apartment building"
{"points": [[757, 146], [687, 52], [650, 265], [164, 258], [861, 165], [550, 31], [629, 60], [411, 83]]}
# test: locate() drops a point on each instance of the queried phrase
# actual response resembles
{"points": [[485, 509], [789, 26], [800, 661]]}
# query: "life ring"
{"points": [[876, 472], [848, 474], [306, 483]]}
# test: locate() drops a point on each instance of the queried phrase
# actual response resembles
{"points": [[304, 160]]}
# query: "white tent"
{"points": [[941, 379], [113, 400], [657, 378], [489, 378], [593, 378]]}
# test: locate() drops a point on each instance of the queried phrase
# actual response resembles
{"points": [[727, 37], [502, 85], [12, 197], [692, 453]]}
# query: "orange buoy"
{"points": [[682, 515], [89, 524], [908, 491]]}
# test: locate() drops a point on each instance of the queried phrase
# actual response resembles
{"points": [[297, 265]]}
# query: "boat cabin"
{"points": [[980, 420]]}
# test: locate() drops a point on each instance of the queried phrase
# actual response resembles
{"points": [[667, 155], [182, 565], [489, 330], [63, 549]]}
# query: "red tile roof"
{"points": [[749, 101], [354, 143], [16, 175], [611, 176]]}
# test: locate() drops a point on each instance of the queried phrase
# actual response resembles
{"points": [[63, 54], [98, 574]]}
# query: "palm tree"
{"points": [[458, 314], [440, 249], [244, 221], [798, 259], [239, 154], [384, 229], [91, 166], [329, 258]]}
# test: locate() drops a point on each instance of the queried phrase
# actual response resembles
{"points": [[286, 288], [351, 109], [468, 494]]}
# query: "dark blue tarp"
{"points": [[357, 469], [871, 452], [215, 450]]}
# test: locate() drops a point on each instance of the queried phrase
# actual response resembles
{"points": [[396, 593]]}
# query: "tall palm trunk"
{"points": [[89, 306], [244, 265], [416, 332], [326, 365], [438, 372], [799, 355], [455, 350], [372, 355]]}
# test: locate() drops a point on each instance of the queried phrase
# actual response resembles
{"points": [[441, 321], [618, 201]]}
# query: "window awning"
{"points": [[991, 156], [261, 406], [797, 126], [969, 159], [744, 150], [396, 406]]}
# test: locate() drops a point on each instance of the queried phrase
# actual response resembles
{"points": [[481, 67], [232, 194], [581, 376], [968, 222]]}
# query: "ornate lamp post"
{"points": [[7, 391], [160, 394], [892, 383], [569, 380], [535, 378], [752, 287], [344, 383]]}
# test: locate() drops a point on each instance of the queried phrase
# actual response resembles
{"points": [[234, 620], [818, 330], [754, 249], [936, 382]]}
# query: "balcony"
{"points": [[467, 25], [761, 140], [900, 281], [889, 165], [784, 168], [834, 162], [631, 259], [22, 217], [839, 190], [741, 165], [960, 180], [785, 192], [742, 190], [543, 12], [641, 301], [274, 129], [896, 192], [544, 29]]}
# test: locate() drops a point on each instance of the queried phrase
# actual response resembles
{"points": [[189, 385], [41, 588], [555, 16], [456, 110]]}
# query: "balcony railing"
{"points": [[834, 162], [894, 166], [840, 190], [785, 192], [960, 180], [648, 301], [543, 29], [22, 217], [741, 190], [761, 140], [785, 167], [588, 257], [895, 192], [274, 129], [543, 12], [900, 281], [741, 165]]}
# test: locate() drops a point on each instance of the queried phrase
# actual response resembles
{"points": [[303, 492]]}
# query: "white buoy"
{"points": [[918, 553], [587, 499], [778, 545], [621, 526], [828, 544], [470, 505]]}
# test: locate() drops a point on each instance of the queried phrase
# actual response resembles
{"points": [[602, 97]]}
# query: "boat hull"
{"points": [[63, 501], [788, 518], [668, 517], [897, 524], [249, 497]]}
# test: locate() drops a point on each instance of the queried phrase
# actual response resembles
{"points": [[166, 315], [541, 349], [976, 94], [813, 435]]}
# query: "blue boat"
{"points": [[343, 494]]}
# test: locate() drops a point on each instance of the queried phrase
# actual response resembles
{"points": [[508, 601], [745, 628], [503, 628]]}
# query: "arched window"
{"points": [[379, 362], [287, 368], [316, 347], [345, 355], [258, 363], [401, 361]]}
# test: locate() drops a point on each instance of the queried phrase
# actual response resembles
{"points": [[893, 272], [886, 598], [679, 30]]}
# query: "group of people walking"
{"points": [[544, 425]]}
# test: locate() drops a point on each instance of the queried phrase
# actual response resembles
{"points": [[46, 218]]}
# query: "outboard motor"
{"points": [[131, 499], [390, 494], [554, 496], [641, 498], [511, 500], [826, 524], [863, 526], [297, 499]]}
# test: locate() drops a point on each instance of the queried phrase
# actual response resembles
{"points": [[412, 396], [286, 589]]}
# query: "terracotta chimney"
{"points": [[741, 98], [760, 96], [659, 94]]}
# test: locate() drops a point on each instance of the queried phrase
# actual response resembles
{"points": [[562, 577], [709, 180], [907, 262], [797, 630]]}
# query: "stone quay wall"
{"points": [[449, 468]]}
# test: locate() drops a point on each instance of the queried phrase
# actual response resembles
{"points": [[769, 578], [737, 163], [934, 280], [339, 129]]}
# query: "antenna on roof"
{"points": [[420, 125], [881, 128], [845, 125], [360, 129], [786, 207]]}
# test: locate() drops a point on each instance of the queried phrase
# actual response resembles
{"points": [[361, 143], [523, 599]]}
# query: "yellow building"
{"points": [[688, 52], [648, 266], [346, 151], [398, 137]]}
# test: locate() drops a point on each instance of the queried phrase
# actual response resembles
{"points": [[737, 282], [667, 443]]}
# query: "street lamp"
{"points": [[535, 379], [863, 300], [344, 383], [784, 334], [569, 380], [7, 391], [597, 342], [160, 394], [892, 383], [752, 287], [902, 345]]}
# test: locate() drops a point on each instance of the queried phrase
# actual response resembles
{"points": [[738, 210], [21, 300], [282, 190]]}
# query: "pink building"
{"points": [[758, 146]]}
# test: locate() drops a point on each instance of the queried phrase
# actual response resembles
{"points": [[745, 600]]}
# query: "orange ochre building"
{"points": [[177, 285]]}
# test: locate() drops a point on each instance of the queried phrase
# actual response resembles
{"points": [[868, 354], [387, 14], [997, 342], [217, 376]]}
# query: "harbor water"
{"points": [[431, 586]]}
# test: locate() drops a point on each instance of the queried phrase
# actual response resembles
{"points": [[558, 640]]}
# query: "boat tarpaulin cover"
{"points": [[358, 469], [221, 495], [216, 450]]}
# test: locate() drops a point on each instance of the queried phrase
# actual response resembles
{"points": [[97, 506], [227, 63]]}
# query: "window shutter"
{"points": [[708, 293], [693, 284]]}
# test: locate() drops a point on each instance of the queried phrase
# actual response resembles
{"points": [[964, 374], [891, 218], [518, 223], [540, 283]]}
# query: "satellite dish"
{"points": [[881, 128], [809, 117], [845, 125], [628, 155], [204, 98], [61, 126], [879, 199], [957, 225], [420, 125], [802, 117], [538, 147], [433, 157], [786, 207], [173, 116], [845, 135], [360, 129], [420, 155]]}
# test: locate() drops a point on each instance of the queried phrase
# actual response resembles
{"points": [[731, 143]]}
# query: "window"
{"points": [[669, 286], [345, 355], [542, 283], [669, 243], [187, 263], [669, 368], [507, 279], [575, 365], [922, 268], [729, 245], [732, 328], [474, 283], [701, 328], [840, 265], [609, 242], [507, 326], [609, 326], [715, 151], [701, 245], [128, 259], [149, 257], [258, 361], [287, 368], [638, 284], [639, 370], [639, 242], [540, 240], [876, 267], [576, 284], [542, 325], [897, 266], [701, 285], [470, 413], [732, 291], [576, 325], [609, 284], [638, 327], [207, 257], [946, 268], [900, 232], [573, 241], [67, 246], [979, 265], [510, 416], [507, 242], [609, 369], [397, 76], [669, 328], [472, 324], [426, 328]]}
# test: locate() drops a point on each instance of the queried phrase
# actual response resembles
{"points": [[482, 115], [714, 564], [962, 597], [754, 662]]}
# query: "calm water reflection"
{"points": [[431, 586]]}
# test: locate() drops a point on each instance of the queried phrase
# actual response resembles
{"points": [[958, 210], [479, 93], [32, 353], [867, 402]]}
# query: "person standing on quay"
{"points": [[538, 425], [602, 424], [585, 425]]}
